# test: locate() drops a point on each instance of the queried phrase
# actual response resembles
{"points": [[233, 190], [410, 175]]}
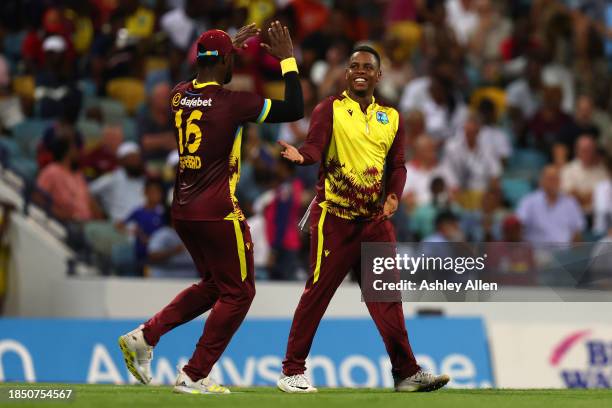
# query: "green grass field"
{"points": [[264, 397]]}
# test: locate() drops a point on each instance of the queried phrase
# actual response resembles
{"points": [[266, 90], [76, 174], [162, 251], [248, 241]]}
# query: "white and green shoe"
{"points": [[137, 354], [422, 382], [186, 385]]}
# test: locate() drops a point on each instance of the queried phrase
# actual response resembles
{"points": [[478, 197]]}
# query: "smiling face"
{"points": [[362, 73]]}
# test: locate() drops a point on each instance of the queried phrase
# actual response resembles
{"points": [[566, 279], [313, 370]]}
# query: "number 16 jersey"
{"points": [[208, 123]]}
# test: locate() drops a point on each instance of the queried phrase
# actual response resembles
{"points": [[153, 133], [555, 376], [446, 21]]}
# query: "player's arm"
{"points": [[396, 172], [317, 140], [291, 108]]}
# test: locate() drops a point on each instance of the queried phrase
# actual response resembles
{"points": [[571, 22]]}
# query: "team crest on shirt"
{"points": [[176, 99], [382, 117]]}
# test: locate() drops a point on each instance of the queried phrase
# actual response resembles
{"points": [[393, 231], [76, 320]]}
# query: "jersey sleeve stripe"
{"points": [[264, 111]]}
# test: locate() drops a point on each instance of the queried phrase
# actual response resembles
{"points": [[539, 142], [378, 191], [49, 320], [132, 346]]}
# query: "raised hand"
{"points": [[244, 34], [291, 153], [280, 41]]}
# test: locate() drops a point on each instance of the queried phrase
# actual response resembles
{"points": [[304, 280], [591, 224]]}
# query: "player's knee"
{"points": [[246, 296], [250, 294]]}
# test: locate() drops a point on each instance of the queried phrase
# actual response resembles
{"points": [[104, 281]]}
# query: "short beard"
{"points": [[361, 94]]}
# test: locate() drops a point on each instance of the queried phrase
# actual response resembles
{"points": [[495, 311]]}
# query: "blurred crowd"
{"points": [[506, 106]]}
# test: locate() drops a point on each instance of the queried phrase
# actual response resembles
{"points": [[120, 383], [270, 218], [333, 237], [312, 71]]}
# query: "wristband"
{"points": [[289, 65]]}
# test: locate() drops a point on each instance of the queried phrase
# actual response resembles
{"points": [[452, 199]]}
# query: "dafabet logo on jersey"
{"points": [[176, 99]]}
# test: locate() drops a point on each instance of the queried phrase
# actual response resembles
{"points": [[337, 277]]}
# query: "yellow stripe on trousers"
{"points": [[240, 246], [317, 270]]}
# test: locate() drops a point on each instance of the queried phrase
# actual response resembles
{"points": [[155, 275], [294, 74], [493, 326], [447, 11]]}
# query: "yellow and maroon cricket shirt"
{"points": [[359, 151]]}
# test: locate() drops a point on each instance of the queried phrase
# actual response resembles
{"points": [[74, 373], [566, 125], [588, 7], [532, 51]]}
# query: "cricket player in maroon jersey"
{"points": [[208, 125], [355, 138]]}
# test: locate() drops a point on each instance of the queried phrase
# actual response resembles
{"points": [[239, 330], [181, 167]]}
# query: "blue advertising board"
{"points": [[345, 353]]}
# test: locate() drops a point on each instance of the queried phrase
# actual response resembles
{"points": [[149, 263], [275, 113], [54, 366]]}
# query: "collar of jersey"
{"points": [[371, 106], [196, 85]]}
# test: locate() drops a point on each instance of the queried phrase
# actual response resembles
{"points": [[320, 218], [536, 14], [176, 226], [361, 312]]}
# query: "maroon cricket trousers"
{"points": [[223, 254], [335, 249]]}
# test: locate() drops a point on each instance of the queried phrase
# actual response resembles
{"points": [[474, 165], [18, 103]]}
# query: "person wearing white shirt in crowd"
{"points": [[421, 170], [549, 215], [462, 18], [437, 98], [580, 176], [469, 159], [602, 203], [524, 95], [122, 191], [493, 135]]}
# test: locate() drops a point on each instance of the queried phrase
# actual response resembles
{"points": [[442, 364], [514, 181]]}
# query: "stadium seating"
{"points": [[526, 164], [28, 133], [91, 130], [23, 86], [129, 91], [514, 189]]}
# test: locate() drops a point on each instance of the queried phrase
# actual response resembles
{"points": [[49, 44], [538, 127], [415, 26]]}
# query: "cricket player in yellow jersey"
{"points": [[360, 145]]}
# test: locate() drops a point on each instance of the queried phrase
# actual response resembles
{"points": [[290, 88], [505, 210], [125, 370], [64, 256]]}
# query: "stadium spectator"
{"points": [[511, 261], [310, 16], [172, 164], [523, 96], [438, 37], [295, 132], [155, 125], [55, 83], [415, 127], [121, 191], [463, 18], [580, 176], [493, 134], [63, 128], [447, 229], [420, 171], [546, 125], [438, 98], [328, 74], [145, 220], [422, 219], [139, 20], [602, 202], [282, 215], [102, 157], [491, 29], [167, 256], [471, 161], [65, 185], [581, 124], [328, 46], [11, 112], [548, 215], [257, 223], [184, 24], [485, 225]]}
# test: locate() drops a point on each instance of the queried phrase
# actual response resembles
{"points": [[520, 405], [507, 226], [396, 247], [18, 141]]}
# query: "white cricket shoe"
{"points": [[295, 384], [137, 354], [186, 385], [422, 381]]}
